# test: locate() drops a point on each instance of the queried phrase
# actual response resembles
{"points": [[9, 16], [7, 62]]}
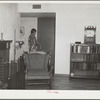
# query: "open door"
{"points": [[46, 35]]}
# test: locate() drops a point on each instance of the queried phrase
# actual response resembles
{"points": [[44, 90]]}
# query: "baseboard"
{"points": [[61, 75]]}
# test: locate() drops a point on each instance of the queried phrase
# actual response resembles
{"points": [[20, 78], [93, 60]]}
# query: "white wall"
{"points": [[70, 22], [9, 21], [28, 24]]}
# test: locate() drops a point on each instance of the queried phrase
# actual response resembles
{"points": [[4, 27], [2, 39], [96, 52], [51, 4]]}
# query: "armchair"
{"points": [[38, 69]]}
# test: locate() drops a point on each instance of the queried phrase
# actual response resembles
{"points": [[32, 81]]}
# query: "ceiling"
{"points": [[38, 14]]}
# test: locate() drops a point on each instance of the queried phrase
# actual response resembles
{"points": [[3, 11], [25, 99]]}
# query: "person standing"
{"points": [[32, 41]]}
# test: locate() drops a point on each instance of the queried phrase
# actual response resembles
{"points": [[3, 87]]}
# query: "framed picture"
{"points": [[22, 30]]}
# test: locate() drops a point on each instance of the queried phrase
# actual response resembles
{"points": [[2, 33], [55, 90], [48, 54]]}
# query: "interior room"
{"points": [[60, 30]]}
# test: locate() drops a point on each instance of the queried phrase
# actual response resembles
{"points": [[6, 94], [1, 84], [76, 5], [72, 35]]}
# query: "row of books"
{"points": [[86, 66], [85, 57], [85, 49], [91, 58]]}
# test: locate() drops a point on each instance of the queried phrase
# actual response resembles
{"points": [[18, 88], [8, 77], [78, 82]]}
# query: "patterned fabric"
{"points": [[32, 42]]}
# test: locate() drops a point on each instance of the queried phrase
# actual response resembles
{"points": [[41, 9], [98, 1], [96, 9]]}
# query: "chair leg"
{"points": [[26, 82], [50, 84]]}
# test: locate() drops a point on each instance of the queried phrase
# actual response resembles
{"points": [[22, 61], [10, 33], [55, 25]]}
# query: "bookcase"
{"points": [[85, 60]]}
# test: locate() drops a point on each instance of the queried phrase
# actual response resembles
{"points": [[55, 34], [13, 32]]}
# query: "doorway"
{"points": [[45, 31]]}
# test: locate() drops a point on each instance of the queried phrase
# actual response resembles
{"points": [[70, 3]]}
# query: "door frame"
{"points": [[54, 35]]}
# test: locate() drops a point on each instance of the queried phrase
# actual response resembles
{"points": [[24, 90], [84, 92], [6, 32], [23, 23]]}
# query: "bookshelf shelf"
{"points": [[85, 61], [85, 77]]}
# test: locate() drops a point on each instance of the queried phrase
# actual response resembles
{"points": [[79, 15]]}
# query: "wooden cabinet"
{"points": [[85, 61], [4, 62]]}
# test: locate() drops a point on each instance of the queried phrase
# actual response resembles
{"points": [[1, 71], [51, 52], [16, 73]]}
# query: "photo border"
{"points": [[43, 94]]}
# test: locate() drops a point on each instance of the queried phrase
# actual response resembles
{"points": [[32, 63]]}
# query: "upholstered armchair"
{"points": [[38, 68]]}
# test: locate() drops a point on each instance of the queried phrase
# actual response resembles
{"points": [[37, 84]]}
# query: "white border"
{"points": [[54, 2], [49, 94]]}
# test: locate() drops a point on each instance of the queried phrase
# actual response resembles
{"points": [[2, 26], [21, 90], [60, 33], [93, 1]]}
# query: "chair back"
{"points": [[36, 61]]}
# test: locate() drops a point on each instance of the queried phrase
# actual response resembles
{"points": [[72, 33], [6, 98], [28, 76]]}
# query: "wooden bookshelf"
{"points": [[85, 61]]}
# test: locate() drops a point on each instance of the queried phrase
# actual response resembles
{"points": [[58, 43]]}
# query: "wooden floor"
{"points": [[62, 82]]}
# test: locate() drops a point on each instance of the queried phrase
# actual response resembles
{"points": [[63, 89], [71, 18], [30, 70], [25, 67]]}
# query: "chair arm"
{"points": [[51, 70]]}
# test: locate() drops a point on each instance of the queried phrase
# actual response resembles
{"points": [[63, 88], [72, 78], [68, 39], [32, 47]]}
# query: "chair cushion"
{"points": [[37, 74]]}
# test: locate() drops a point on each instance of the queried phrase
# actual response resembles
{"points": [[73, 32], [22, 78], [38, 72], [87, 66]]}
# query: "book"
{"points": [[84, 49], [84, 66], [98, 66]]}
